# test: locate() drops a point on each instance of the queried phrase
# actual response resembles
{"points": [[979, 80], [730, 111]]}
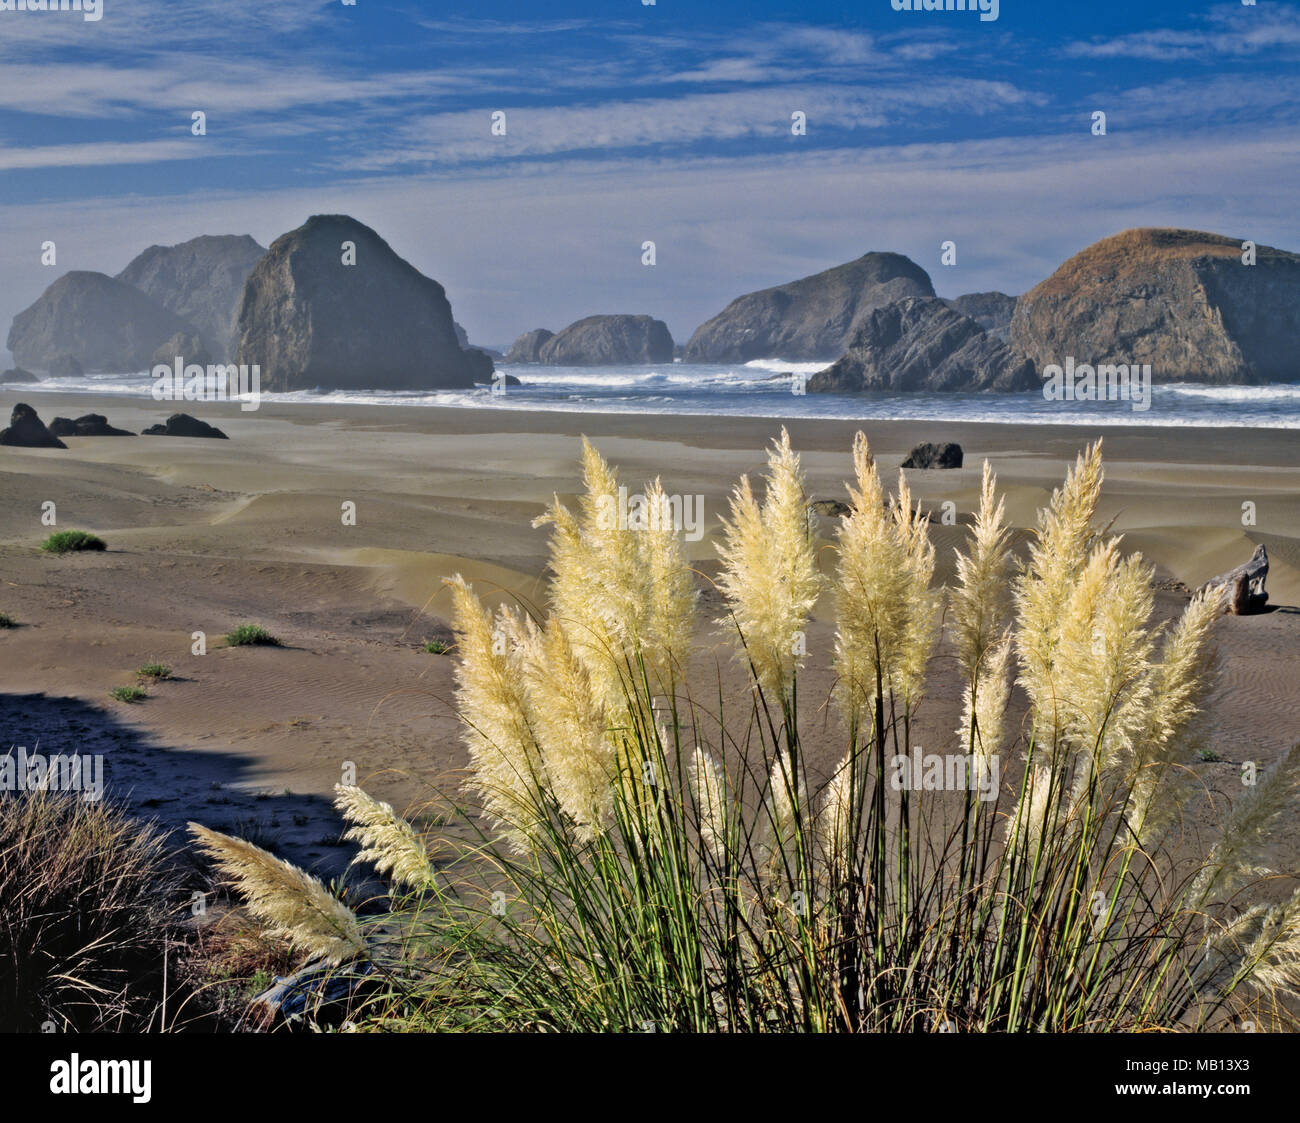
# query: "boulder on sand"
{"points": [[17, 374], [88, 425], [26, 430], [183, 425], [927, 455]]}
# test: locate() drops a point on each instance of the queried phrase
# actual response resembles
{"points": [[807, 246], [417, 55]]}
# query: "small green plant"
{"points": [[436, 647], [7, 621], [155, 671], [251, 635], [127, 694], [71, 541], [1209, 756]]}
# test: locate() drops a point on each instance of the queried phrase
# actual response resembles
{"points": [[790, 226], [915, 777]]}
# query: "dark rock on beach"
{"points": [[183, 425], [1180, 300], [527, 348], [202, 282], [15, 375], [922, 344], [600, 340], [308, 320], [94, 320], [88, 425], [946, 455], [813, 318], [27, 430]]}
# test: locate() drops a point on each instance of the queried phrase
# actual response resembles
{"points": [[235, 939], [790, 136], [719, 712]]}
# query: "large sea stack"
{"points": [[924, 345], [1183, 301], [810, 319], [95, 321], [606, 340], [309, 320], [202, 281], [528, 347]]}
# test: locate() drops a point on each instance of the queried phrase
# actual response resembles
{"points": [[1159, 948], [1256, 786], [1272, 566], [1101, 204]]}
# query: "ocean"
{"points": [[755, 389]]}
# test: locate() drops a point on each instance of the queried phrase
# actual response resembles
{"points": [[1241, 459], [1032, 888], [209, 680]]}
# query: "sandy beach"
{"points": [[204, 535]]}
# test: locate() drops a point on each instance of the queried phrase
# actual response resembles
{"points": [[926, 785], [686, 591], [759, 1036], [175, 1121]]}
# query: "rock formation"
{"points": [[26, 430], [991, 310], [17, 374], [813, 318], [202, 282], [309, 320], [527, 348], [88, 425], [601, 340], [183, 425], [101, 323], [1180, 300], [927, 455], [922, 344]]}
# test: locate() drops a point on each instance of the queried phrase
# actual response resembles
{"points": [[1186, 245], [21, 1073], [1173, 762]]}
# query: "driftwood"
{"points": [[1243, 587], [317, 993]]}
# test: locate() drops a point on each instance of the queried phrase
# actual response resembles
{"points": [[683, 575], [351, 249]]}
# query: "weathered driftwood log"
{"points": [[316, 993], [1243, 587]]}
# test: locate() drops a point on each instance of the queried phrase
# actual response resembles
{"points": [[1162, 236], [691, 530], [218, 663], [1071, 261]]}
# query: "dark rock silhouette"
{"points": [[88, 425], [183, 425], [927, 455], [27, 430], [16, 374]]}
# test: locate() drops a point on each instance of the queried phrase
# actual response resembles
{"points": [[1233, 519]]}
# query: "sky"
{"points": [[628, 122]]}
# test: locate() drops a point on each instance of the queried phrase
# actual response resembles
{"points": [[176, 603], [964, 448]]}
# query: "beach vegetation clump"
{"points": [[72, 541], [656, 849], [89, 897], [155, 671], [436, 647], [7, 621], [251, 635], [128, 694]]}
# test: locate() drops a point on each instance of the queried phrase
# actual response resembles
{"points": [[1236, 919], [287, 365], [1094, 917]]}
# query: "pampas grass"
{"points": [[648, 854]]}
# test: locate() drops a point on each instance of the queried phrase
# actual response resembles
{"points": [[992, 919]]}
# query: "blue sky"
{"points": [[627, 122]]}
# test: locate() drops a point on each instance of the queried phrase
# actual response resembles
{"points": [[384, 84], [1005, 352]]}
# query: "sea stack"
{"points": [[202, 281], [813, 318], [1188, 303], [331, 305], [601, 340]]}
